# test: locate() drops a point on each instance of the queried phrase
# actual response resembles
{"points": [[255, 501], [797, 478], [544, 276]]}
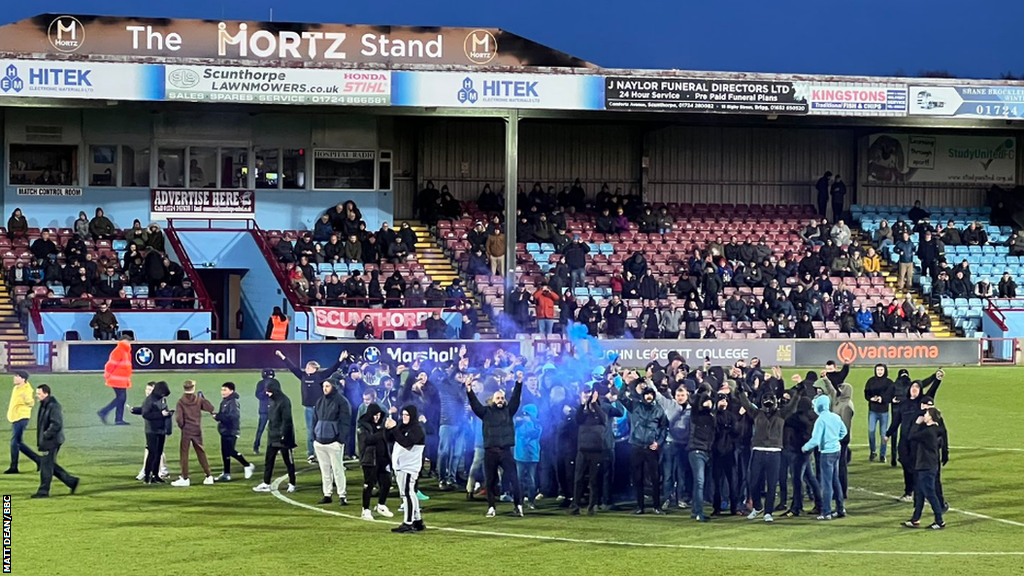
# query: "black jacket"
{"points": [[152, 411], [726, 432], [370, 437], [229, 416], [879, 386], [499, 429], [703, 425], [925, 445], [311, 384], [50, 425], [280, 430], [592, 421], [332, 418], [768, 425]]}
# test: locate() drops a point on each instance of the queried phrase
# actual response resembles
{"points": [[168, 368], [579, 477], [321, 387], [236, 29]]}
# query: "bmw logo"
{"points": [[143, 356], [372, 354]]}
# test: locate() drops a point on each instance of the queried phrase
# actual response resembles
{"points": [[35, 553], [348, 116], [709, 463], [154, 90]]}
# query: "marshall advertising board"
{"points": [[703, 95], [278, 43]]}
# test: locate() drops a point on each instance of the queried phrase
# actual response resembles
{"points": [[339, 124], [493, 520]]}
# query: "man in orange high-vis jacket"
{"points": [[117, 373], [277, 326]]}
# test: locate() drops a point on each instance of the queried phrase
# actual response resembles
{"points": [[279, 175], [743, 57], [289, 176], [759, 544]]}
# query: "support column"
{"points": [[511, 186]]}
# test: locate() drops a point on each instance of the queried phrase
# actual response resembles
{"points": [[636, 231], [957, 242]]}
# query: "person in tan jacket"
{"points": [[188, 415], [495, 248]]}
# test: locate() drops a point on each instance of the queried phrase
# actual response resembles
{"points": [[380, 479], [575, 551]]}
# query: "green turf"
{"points": [[116, 525]]}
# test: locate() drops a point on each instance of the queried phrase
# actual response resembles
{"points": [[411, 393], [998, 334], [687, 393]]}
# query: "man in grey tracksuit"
{"points": [[675, 469]]}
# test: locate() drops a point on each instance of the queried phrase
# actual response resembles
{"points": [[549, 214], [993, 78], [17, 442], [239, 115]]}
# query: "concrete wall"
{"points": [[163, 325]]}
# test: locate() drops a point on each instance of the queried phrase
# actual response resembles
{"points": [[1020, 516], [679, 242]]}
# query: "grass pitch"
{"points": [[116, 525]]}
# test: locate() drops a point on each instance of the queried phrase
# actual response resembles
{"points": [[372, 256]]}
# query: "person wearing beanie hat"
{"points": [[264, 400], [900, 390], [373, 459], [137, 410], [407, 461], [19, 412], [188, 415], [909, 411]]}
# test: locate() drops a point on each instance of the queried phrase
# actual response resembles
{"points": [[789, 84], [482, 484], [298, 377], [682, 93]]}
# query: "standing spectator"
{"points": [[117, 374], [838, 198], [437, 328], [477, 237], [277, 325], [311, 378], [104, 323], [156, 238], [647, 324], [905, 250], [50, 437], [519, 307], [19, 412], [17, 225], [671, 321], [188, 415], [527, 451], [615, 318], [100, 227], [414, 296], [394, 290], [1007, 287], [280, 437], [822, 186], [545, 300], [929, 251], [648, 430], [332, 423], [576, 259], [496, 252], [499, 436], [436, 297], [692, 316], [917, 213]]}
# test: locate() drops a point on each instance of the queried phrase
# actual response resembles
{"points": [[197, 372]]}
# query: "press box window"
{"points": [[103, 165], [43, 165], [344, 169]]}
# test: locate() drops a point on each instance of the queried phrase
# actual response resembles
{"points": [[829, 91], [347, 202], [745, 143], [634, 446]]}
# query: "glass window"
{"points": [[134, 166], [384, 171], [170, 167], [202, 167], [267, 167], [103, 166], [293, 169], [344, 169], [234, 168], [43, 164]]}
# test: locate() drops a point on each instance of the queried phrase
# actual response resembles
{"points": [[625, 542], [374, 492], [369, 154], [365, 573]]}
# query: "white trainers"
{"points": [[291, 488], [491, 513], [222, 478], [262, 487], [164, 472], [311, 460], [141, 475], [181, 482], [768, 518], [753, 515], [367, 515], [518, 511], [208, 481], [382, 510], [249, 471]]}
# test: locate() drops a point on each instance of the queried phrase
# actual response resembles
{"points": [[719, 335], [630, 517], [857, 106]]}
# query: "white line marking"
{"points": [[277, 493], [972, 448], [964, 512]]}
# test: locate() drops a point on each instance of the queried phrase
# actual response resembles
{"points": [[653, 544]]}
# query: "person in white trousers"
{"points": [[407, 461], [332, 422]]}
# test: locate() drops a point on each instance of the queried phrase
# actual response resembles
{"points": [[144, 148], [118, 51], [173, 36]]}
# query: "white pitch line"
{"points": [[277, 493], [972, 448], [964, 512]]}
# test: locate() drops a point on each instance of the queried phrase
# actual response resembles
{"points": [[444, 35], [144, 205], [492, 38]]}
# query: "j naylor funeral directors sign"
{"points": [[696, 95]]}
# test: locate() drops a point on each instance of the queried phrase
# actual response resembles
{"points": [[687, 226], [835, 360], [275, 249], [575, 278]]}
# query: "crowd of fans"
{"points": [[63, 270], [796, 291]]}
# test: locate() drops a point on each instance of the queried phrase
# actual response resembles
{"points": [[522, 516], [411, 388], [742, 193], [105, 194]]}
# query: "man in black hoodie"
{"points": [[701, 449], [499, 435], [280, 437], [925, 436], [229, 419], [769, 424], [50, 436], [878, 392], [906, 416], [311, 378], [592, 421], [374, 460], [264, 400], [407, 460], [332, 423]]}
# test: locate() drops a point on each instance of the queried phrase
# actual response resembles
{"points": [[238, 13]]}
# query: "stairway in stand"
{"points": [[11, 333], [439, 267], [939, 328]]}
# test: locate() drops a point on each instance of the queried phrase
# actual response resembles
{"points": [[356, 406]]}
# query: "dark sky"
{"points": [[978, 39]]}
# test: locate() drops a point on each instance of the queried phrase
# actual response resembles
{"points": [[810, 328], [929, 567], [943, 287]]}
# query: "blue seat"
{"points": [[607, 248], [120, 245], [974, 249], [325, 267], [547, 248], [988, 249], [142, 291], [128, 291], [960, 302], [532, 247], [58, 290]]}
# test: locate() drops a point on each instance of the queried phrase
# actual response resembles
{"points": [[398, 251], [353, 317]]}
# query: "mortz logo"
{"points": [[66, 34], [480, 46], [848, 352]]}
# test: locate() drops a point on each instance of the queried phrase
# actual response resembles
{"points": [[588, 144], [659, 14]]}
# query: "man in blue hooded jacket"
{"points": [[828, 431]]}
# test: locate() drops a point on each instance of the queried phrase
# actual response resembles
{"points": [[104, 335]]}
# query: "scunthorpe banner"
{"points": [[80, 80], [342, 322], [479, 90], [941, 158], [278, 85]]}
